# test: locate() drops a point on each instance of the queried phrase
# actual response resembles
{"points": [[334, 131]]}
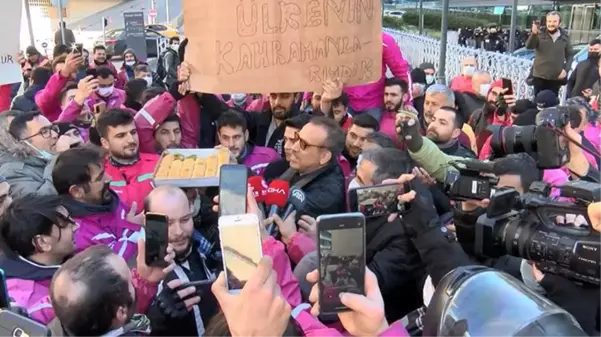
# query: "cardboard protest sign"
{"points": [[10, 22], [262, 46]]}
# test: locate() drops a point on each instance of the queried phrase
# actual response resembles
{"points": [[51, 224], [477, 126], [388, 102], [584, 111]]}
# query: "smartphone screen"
{"points": [[377, 200], [341, 259], [79, 48], [157, 238], [241, 248], [233, 183], [4, 299]]}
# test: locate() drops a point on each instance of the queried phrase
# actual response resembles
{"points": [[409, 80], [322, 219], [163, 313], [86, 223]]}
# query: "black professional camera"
{"points": [[540, 140], [558, 236], [468, 183]]}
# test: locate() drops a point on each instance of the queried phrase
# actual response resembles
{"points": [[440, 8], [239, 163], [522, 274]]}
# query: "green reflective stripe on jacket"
{"points": [[118, 183], [144, 177]]}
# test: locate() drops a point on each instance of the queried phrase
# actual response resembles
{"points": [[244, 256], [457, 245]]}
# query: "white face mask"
{"points": [[175, 46], [353, 184], [148, 80], [469, 71], [130, 63], [429, 79], [105, 92], [484, 89]]}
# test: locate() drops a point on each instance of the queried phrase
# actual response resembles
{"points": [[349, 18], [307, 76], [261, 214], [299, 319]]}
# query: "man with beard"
{"points": [[586, 73], [396, 92], [363, 125], [267, 127], [37, 232], [553, 54], [194, 262], [130, 172], [444, 131], [232, 133], [79, 177], [100, 60]]}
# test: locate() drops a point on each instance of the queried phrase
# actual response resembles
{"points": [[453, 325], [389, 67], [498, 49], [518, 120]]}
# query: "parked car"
{"points": [[116, 43], [164, 30]]}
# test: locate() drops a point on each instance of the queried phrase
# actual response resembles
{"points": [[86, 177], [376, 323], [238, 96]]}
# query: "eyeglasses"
{"points": [[45, 132], [303, 143], [65, 221]]}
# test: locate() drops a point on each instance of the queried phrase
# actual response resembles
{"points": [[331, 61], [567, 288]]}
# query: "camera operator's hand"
{"points": [[409, 132], [175, 303], [366, 317], [259, 309], [472, 205], [580, 301]]}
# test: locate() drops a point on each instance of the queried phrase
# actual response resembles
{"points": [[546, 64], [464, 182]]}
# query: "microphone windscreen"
{"points": [[259, 187], [277, 193]]}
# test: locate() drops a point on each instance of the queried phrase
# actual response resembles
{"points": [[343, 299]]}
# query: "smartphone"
{"points": [[79, 48], [508, 85], [4, 298], [157, 238], [341, 255], [537, 22], [91, 72], [233, 184], [12, 324], [99, 108], [378, 200], [241, 248]]}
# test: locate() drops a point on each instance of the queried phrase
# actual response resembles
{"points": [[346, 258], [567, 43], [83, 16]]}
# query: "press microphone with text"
{"points": [[259, 188], [277, 196], [296, 202]]}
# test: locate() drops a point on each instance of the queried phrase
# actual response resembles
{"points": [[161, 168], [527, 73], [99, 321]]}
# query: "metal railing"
{"points": [[417, 49]]}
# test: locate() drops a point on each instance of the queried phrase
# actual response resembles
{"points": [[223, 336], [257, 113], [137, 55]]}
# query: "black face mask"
{"points": [[593, 55]]}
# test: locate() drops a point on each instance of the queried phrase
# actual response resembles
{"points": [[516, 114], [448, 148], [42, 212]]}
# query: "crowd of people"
{"points": [[493, 38], [79, 147]]}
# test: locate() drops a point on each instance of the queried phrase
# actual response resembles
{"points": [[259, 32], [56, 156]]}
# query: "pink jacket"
{"points": [[462, 83], [48, 99], [150, 117], [300, 245], [98, 225], [371, 95], [189, 113], [387, 126], [259, 158], [310, 325], [258, 105], [114, 101]]}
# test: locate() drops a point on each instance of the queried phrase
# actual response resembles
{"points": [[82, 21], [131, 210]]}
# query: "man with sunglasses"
{"points": [[39, 236], [313, 155], [28, 142]]}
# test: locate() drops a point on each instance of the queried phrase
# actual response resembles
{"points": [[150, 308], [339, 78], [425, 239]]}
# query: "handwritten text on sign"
{"points": [[282, 46], [10, 19]]}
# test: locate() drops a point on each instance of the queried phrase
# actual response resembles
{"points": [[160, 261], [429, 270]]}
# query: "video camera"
{"points": [[541, 140], [536, 228], [467, 183]]}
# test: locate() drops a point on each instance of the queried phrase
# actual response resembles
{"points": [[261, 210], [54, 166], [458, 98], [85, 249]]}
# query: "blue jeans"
{"points": [[374, 112]]}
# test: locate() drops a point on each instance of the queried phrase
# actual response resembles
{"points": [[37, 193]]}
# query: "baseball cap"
{"points": [[546, 99]]}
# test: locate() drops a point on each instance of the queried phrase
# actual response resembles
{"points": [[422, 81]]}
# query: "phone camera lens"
{"points": [[18, 332]]}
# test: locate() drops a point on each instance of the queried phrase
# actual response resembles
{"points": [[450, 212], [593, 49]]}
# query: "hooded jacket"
{"points": [[126, 72], [104, 224], [28, 284], [370, 95], [23, 168]]}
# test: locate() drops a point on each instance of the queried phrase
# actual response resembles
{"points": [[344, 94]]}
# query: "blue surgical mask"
{"points": [[43, 154], [469, 71], [429, 79], [484, 89]]}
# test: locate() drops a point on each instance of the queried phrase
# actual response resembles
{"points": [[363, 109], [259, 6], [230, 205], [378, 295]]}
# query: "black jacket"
{"points": [[325, 194], [26, 102], [211, 107], [391, 255], [583, 77], [258, 126], [197, 268]]}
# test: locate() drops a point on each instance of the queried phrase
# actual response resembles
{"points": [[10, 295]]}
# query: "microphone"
{"points": [[296, 202], [259, 188], [277, 195]]}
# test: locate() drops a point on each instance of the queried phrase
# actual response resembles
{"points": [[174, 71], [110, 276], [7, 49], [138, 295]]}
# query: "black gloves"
{"points": [[409, 133], [580, 301], [171, 305], [421, 216]]}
